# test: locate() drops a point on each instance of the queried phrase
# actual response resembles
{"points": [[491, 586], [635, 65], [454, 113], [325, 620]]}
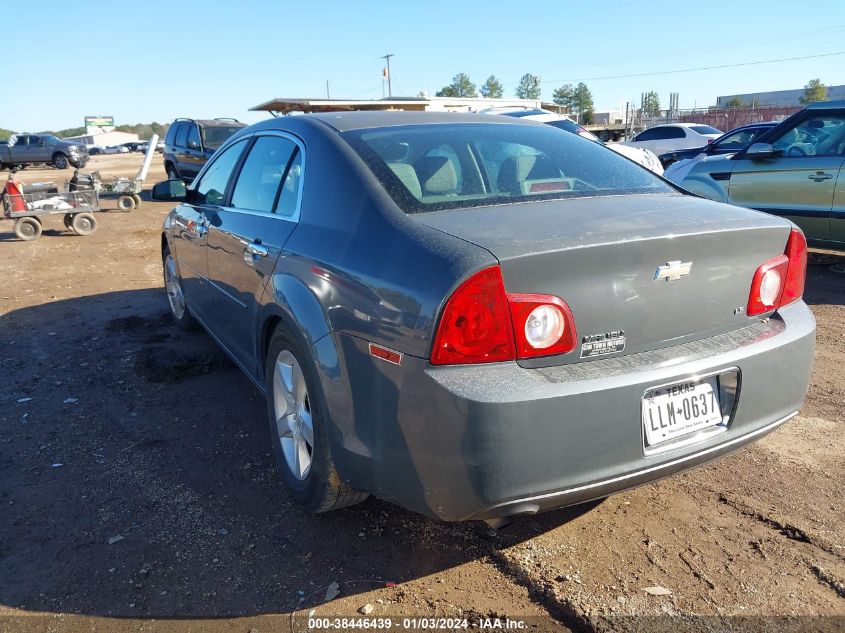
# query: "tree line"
{"points": [[577, 100], [143, 130]]}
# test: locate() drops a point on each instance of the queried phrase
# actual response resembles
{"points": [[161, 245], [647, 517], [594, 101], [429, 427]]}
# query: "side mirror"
{"points": [[760, 151], [170, 191], [193, 145]]}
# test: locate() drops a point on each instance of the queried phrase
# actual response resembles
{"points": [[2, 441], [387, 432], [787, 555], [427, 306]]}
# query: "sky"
{"points": [[157, 60]]}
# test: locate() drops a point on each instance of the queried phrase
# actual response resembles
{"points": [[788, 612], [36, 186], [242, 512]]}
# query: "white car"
{"points": [[644, 157], [674, 136]]}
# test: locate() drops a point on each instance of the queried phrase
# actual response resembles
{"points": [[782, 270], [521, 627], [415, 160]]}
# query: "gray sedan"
{"points": [[478, 318]]}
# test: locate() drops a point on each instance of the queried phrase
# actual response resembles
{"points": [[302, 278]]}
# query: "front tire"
{"points": [[60, 161], [175, 297], [297, 418], [172, 174]]}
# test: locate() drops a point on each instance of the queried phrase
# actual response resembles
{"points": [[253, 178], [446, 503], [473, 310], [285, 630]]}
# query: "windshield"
{"points": [[447, 166], [50, 138], [214, 136], [704, 129]]}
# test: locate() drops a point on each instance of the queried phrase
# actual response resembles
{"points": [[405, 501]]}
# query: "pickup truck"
{"points": [[29, 149]]}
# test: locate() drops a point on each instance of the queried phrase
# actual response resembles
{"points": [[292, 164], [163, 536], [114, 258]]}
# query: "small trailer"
{"points": [[126, 190], [28, 209]]}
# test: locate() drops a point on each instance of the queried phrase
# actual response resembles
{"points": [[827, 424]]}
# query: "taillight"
{"points": [[796, 251], [476, 325], [780, 281], [543, 325], [481, 323]]}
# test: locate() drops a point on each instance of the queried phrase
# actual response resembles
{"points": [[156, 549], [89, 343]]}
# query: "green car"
{"points": [[795, 170]]}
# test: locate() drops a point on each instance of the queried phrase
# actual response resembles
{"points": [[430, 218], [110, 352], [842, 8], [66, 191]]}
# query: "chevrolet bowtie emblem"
{"points": [[672, 271]]}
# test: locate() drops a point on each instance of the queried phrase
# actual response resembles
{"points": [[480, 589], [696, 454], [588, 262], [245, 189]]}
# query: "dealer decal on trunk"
{"points": [[604, 343]]}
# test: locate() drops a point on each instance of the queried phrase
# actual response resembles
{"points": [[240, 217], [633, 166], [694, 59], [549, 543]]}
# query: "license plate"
{"points": [[675, 410]]}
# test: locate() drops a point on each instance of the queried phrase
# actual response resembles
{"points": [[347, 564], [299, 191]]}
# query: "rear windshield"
{"points": [[215, 136], [704, 129], [447, 166]]}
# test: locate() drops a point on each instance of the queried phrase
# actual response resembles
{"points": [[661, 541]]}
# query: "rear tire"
{"points": [[137, 199], [28, 229], [60, 161], [296, 414], [126, 203], [84, 223]]}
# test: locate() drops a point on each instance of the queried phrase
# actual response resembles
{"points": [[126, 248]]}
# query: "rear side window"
{"points": [[214, 136], [182, 135], [260, 180], [432, 167], [170, 139], [193, 137], [704, 129], [289, 195], [211, 187]]}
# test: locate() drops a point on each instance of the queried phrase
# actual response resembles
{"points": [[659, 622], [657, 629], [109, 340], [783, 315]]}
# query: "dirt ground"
{"points": [[138, 490]]}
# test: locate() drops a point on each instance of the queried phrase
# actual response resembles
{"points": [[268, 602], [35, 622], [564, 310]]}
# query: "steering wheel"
{"points": [[795, 150]]}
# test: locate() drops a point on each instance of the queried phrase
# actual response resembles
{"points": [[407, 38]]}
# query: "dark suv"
{"points": [[191, 142]]}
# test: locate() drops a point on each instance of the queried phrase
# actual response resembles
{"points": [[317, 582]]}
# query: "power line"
{"points": [[689, 70], [724, 45]]}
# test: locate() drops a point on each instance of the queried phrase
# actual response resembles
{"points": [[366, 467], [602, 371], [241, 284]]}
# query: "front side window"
{"points": [[739, 140], [259, 182], [211, 187], [444, 166], [820, 134]]}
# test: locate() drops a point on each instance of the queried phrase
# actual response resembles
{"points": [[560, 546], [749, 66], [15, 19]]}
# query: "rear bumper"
{"points": [[488, 441]]}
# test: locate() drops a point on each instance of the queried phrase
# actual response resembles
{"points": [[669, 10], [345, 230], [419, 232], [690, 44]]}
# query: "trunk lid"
{"points": [[601, 256]]}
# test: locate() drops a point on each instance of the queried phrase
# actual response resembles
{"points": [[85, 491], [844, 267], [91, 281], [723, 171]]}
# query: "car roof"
{"points": [[826, 105], [221, 122], [345, 121]]}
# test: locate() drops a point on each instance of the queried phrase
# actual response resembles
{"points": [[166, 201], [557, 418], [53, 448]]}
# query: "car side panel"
{"points": [[837, 212], [785, 186]]}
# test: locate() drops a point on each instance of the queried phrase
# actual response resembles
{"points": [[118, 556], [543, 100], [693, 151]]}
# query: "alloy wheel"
{"points": [[292, 412]]}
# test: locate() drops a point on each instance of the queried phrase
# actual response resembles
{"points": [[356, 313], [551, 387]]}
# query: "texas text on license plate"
{"points": [[675, 410]]}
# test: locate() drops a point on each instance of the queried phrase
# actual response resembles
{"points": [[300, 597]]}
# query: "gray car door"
{"points": [[247, 236], [191, 225], [22, 150]]}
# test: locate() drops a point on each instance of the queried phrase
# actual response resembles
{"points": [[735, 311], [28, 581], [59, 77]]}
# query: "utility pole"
{"points": [[387, 59]]}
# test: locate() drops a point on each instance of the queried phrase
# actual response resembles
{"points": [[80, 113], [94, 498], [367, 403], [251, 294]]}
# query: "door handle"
{"points": [[256, 249], [819, 176]]}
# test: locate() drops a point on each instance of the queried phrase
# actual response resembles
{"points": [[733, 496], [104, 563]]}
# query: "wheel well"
{"points": [[267, 331], [164, 243]]}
